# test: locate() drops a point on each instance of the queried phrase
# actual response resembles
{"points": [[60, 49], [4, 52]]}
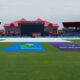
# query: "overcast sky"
{"points": [[55, 11]]}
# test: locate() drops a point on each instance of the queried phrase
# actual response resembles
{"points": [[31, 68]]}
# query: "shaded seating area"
{"points": [[71, 28], [30, 28], [33, 28]]}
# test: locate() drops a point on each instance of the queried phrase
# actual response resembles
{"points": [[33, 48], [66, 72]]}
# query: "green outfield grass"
{"points": [[75, 40], [52, 64]]}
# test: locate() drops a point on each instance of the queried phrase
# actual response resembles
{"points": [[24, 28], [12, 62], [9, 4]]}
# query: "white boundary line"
{"points": [[34, 39]]}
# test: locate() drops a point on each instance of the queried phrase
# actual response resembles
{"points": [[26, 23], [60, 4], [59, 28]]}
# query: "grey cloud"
{"points": [[55, 11]]}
